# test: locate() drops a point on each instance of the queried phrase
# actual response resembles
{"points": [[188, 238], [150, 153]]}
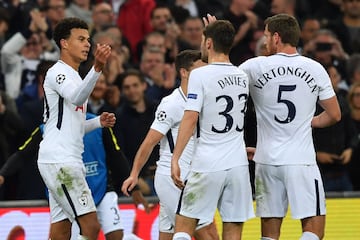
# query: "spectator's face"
{"points": [[3, 28], [99, 89], [56, 11], [278, 6], [102, 15], [351, 8], [310, 27], [355, 98], [133, 89], [192, 32], [32, 48], [151, 60], [160, 19], [323, 56], [156, 41]]}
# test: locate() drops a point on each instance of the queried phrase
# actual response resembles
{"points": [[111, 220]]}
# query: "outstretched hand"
{"points": [[107, 119], [102, 53]]}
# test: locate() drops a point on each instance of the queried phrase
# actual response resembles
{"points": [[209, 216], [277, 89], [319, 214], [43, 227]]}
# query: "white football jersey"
{"points": [[167, 121], [285, 89], [219, 92], [64, 121]]}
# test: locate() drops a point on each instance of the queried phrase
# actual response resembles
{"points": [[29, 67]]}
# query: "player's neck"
{"points": [[218, 57], [70, 61], [287, 49], [183, 86]]}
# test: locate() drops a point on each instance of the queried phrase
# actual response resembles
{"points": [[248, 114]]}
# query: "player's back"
{"points": [[219, 92], [285, 89]]}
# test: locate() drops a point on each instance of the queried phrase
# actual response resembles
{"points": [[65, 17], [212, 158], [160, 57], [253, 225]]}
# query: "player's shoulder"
{"points": [[173, 101]]}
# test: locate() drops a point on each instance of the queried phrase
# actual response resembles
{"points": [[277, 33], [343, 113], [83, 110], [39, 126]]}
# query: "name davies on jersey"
{"points": [[232, 80], [287, 71]]}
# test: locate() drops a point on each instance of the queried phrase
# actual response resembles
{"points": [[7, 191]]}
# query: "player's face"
{"points": [[269, 42], [78, 44], [133, 89]]}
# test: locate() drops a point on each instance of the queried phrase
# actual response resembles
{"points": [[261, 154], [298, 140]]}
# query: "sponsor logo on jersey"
{"points": [[161, 116], [60, 78], [192, 96]]}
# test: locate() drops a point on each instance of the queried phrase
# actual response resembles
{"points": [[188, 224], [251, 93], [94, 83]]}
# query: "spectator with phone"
{"points": [[334, 145]]}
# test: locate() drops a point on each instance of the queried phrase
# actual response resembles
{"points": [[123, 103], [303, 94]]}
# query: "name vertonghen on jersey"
{"points": [[232, 80], [286, 71]]}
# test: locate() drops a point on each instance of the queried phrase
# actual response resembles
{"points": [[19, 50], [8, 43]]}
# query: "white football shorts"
{"points": [[300, 186], [228, 190], [69, 193]]}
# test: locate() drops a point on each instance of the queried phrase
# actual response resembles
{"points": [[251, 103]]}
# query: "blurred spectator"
{"points": [[119, 57], [102, 15], [163, 21], [190, 5], [245, 22], [11, 135], [134, 20], [97, 101], [334, 145], [326, 48], [353, 68], [21, 54], [159, 76], [309, 28], [354, 165], [283, 6], [54, 11], [4, 25], [347, 26], [133, 120], [81, 9], [32, 110], [191, 32]]}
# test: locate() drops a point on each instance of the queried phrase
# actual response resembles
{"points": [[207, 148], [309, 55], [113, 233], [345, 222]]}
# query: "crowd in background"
{"points": [[145, 36]]}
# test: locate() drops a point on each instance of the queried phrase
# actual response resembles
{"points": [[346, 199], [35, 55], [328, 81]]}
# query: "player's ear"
{"points": [[183, 73], [63, 43]]}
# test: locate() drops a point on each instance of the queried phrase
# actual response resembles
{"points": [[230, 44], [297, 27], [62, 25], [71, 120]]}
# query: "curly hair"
{"points": [[63, 28]]}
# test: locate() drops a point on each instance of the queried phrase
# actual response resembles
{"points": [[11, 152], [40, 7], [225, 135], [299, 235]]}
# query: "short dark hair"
{"points": [[286, 26], [119, 80], [185, 59], [222, 34], [63, 28]]}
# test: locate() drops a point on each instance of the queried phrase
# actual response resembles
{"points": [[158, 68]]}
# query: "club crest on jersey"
{"points": [[192, 96], [161, 116], [60, 78], [83, 200]]}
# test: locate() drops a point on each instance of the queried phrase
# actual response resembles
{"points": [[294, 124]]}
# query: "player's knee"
{"points": [[181, 236], [309, 236]]}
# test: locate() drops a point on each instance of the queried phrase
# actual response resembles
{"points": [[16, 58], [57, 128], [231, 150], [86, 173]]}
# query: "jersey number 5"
{"points": [[228, 117], [290, 105]]}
